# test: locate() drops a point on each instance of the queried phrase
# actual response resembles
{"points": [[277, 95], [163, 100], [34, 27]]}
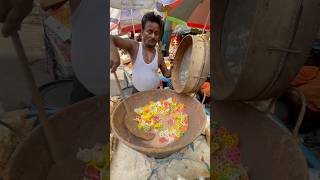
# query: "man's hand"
{"points": [[12, 13], [163, 67]]}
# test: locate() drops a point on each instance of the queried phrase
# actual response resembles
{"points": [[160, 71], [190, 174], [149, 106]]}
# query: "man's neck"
{"points": [[147, 48]]}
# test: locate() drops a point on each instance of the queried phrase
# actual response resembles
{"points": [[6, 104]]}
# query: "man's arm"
{"points": [[163, 67], [114, 58], [165, 71], [117, 42], [127, 44]]}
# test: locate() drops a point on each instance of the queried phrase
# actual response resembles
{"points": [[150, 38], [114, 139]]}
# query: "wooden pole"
{"points": [[36, 98]]}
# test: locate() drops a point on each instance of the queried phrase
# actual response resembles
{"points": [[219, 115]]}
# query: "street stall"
{"points": [[253, 128], [245, 140], [162, 157]]}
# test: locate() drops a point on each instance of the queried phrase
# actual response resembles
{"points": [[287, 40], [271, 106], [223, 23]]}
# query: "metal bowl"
{"points": [[194, 109]]}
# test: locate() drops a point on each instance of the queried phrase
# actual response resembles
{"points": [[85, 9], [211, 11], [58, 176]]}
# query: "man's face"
{"points": [[150, 34]]}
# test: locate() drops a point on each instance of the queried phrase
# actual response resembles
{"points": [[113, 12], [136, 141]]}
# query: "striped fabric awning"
{"points": [[192, 13]]}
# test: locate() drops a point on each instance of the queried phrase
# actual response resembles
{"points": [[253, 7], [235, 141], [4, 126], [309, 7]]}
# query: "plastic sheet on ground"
{"points": [[192, 162]]}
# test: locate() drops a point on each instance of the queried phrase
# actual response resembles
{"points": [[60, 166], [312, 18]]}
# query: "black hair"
{"points": [[150, 16]]}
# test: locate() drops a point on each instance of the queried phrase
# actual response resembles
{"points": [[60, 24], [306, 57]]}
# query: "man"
{"points": [[89, 44], [146, 58]]}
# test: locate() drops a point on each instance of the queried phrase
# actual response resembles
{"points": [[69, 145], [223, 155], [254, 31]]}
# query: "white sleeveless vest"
{"points": [[145, 76]]}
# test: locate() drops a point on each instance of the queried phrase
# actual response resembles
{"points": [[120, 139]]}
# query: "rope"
{"points": [[301, 114], [205, 22]]}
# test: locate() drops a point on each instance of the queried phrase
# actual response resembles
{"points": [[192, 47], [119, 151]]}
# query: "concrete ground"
{"points": [[13, 90]]}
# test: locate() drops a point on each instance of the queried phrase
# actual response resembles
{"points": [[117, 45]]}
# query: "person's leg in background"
{"points": [[79, 92]]}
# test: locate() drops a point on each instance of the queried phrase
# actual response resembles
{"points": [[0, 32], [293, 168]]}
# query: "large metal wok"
{"points": [[194, 109]]}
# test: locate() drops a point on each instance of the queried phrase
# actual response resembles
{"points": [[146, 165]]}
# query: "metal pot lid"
{"points": [[254, 57]]}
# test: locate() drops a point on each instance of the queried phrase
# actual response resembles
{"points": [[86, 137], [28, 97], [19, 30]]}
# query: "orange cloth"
{"points": [[205, 89], [306, 74], [308, 81]]}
